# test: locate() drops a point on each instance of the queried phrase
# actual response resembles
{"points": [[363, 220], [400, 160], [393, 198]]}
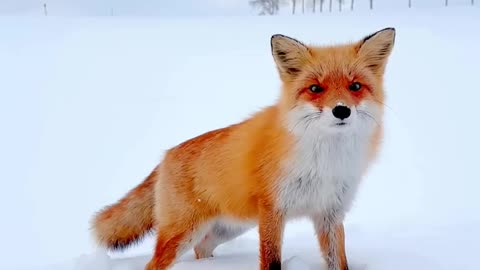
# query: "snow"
{"points": [[295, 263], [88, 106]]}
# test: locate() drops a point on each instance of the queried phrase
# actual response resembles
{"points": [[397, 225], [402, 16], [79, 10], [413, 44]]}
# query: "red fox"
{"points": [[304, 156]]}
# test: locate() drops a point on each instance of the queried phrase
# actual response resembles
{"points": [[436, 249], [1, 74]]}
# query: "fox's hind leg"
{"points": [[173, 240], [219, 233], [179, 226]]}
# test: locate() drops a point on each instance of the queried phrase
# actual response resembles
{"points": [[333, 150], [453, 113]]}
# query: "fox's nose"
{"points": [[341, 112]]}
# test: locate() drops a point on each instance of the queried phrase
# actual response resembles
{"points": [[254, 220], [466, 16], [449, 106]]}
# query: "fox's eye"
{"points": [[315, 88], [356, 86]]}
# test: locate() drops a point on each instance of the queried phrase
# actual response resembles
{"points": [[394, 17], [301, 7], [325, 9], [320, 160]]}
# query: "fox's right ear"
{"points": [[290, 55]]}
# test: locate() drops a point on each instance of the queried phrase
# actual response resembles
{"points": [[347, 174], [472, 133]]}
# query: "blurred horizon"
{"points": [[195, 8]]}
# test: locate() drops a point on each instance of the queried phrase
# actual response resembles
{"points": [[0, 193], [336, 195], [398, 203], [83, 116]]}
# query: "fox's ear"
{"points": [[290, 55], [375, 49]]}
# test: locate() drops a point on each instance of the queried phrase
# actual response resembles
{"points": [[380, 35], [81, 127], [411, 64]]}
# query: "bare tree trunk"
{"points": [[409, 3], [371, 4], [266, 7], [473, 2], [276, 6], [314, 4], [45, 9], [351, 5], [303, 6], [446, 3], [321, 5], [340, 5], [330, 7], [294, 3]]}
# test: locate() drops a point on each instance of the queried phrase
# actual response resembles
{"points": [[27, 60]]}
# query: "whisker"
{"points": [[310, 120], [384, 104], [365, 113], [306, 119]]}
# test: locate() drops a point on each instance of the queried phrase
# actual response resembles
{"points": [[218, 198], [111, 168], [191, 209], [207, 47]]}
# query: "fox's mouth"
{"points": [[340, 124]]}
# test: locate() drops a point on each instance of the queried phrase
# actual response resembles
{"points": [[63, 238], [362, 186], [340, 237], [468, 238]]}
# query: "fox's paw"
{"points": [[205, 248], [202, 253]]}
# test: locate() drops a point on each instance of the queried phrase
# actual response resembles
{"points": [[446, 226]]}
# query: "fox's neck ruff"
{"points": [[324, 169]]}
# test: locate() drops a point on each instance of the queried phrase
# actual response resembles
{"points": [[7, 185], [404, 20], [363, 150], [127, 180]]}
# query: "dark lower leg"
{"points": [[271, 226]]}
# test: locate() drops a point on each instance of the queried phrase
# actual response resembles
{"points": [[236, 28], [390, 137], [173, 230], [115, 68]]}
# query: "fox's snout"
{"points": [[341, 112]]}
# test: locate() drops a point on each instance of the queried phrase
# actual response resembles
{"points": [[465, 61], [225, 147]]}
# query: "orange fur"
{"points": [[336, 244], [234, 172], [115, 229]]}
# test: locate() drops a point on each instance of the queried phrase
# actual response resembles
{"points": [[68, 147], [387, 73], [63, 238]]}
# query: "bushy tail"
{"points": [[126, 222]]}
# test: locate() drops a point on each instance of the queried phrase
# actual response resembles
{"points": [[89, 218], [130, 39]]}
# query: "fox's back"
{"points": [[227, 169]]}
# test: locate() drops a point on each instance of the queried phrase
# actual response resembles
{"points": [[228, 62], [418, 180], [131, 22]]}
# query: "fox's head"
{"points": [[333, 88]]}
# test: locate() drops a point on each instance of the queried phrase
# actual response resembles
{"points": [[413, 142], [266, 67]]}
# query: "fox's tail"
{"points": [[126, 222]]}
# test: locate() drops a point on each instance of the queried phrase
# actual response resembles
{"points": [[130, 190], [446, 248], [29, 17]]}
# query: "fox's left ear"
{"points": [[375, 49]]}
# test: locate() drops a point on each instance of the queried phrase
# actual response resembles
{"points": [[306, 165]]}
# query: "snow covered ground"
{"points": [[87, 106]]}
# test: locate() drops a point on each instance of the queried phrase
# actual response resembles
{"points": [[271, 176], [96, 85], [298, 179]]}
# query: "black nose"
{"points": [[341, 112]]}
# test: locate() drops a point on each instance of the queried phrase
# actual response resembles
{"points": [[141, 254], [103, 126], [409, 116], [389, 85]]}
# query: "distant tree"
{"points": [[45, 11], [330, 7], [321, 5], [303, 6], [340, 3], [311, 4], [371, 4], [409, 3], [294, 6], [351, 4], [446, 3], [266, 7]]}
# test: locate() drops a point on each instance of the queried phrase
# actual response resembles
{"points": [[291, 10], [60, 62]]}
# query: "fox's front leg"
{"points": [[331, 237], [271, 225]]}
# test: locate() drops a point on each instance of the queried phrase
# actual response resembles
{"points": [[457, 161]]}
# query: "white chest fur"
{"points": [[324, 173]]}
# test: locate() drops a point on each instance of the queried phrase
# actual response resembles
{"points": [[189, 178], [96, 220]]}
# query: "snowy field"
{"points": [[89, 104]]}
